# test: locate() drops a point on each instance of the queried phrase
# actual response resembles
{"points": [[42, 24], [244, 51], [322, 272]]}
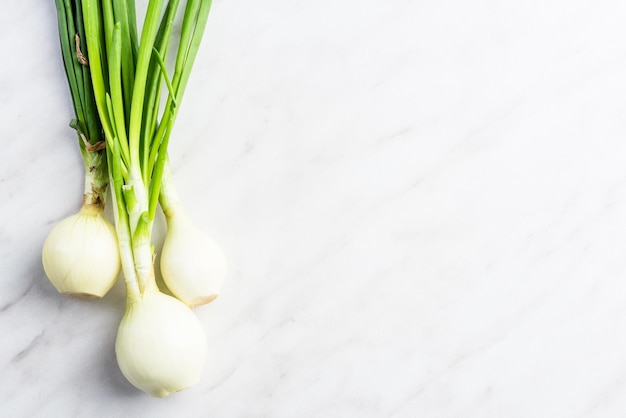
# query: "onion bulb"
{"points": [[192, 265], [80, 255], [161, 347]]}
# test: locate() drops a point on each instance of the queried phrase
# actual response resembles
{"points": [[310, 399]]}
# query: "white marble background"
{"points": [[423, 204]]}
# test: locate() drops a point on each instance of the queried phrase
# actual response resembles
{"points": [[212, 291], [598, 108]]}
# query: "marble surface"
{"points": [[423, 204]]}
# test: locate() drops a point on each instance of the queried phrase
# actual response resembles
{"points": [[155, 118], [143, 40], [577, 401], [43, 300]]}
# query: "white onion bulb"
{"points": [[80, 255], [161, 347], [192, 265]]}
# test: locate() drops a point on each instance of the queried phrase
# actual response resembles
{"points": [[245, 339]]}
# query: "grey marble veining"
{"points": [[422, 203]]}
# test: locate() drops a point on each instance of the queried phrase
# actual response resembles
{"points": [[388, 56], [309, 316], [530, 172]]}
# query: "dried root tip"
{"points": [[79, 55], [86, 296], [98, 146], [202, 300]]}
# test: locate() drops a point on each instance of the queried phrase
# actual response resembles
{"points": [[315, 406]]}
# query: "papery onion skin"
{"points": [[161, 347], [80, 255]]}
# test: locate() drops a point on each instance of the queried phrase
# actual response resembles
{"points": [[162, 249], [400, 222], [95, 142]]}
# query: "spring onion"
{"points": [[80, 255], [160, 345], [193, 266]]}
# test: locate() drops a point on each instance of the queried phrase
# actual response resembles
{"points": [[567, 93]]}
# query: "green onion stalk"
{"points": [[80, 255], [160, 346]]}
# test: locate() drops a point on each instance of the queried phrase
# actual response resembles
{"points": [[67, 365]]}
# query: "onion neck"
{"points": [[168, 198], [96, 181], [133, 296]]}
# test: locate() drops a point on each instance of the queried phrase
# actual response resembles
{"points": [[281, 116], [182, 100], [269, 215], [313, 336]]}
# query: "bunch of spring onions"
{"points": [[117, 80]]}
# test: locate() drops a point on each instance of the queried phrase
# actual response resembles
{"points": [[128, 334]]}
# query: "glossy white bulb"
{"points": [[81, 256], [161, 347], [192, 265]]}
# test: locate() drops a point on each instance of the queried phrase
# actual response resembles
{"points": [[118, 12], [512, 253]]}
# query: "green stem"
{"points": [[66, 53], [122, 16], [115, 83], [151, 102], [93, 33], [148, 34]]}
